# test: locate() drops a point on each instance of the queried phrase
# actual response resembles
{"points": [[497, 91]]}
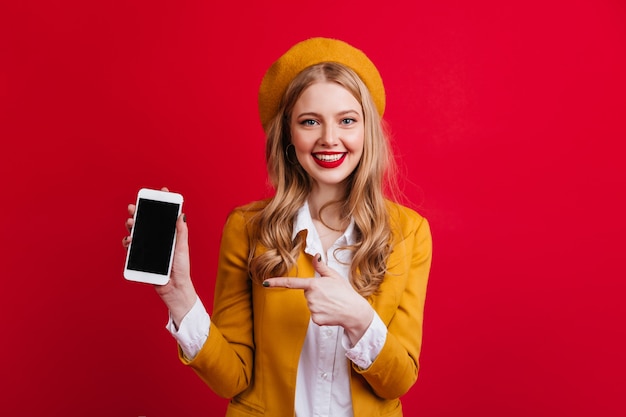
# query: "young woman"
{"points": [[320, 289]]}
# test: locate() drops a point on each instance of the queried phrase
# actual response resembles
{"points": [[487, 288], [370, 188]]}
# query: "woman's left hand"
{"points": [[331, 300]]}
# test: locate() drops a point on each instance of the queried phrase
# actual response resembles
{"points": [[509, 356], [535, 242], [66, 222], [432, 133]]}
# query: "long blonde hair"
{"points": [[364, 199]]}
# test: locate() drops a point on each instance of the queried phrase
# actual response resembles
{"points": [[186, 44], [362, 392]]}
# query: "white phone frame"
{"points": [[149, 277]]}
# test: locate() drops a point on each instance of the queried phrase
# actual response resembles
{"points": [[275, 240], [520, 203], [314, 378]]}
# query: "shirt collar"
{"points": [[303, 221]]}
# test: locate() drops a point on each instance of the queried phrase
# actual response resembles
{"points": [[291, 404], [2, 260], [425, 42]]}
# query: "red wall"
{"points": [[509, 121]]}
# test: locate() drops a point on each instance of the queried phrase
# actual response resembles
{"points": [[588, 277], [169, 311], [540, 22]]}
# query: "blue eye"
{"points": [[347, 121], [308, 122]]}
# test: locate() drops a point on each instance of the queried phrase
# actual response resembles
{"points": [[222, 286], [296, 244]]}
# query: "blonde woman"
{"points": [[320, 289]]}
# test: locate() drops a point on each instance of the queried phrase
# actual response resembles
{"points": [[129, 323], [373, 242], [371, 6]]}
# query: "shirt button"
{"points": [[324, 375]]}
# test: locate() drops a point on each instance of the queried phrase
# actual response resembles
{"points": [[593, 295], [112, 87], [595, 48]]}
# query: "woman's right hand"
{"points": [[179, 293]]}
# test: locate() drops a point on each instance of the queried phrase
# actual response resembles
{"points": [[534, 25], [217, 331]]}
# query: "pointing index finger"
{"points": [[286, 282]]}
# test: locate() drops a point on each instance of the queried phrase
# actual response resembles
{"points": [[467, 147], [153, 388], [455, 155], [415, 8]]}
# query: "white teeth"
{"points": [[328, 158]]}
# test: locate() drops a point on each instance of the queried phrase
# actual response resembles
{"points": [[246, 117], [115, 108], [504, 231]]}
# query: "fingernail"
{"points": [[319, 258], [266, 284], [185, 218]]}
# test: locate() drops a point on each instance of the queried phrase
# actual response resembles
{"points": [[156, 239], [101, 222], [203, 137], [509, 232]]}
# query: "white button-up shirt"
{"points": [[323, 380]]}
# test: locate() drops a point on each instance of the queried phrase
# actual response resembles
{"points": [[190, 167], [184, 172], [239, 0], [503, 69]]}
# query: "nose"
{"points": [[329, 136]]}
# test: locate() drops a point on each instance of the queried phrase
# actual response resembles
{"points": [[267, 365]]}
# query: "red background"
{"points": [[509, 123]]}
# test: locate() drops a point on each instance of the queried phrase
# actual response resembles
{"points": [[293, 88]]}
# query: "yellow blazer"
{"points": [[256, 335]]}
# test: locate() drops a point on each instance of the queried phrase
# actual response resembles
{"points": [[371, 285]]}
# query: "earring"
{"points": [[287, 156]]}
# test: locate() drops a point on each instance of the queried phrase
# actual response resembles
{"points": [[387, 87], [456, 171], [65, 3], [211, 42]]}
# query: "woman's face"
{"points": [[327, 131]]}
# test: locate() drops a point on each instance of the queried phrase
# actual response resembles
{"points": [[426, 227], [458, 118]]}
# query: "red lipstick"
{"points": [[329, 159]]}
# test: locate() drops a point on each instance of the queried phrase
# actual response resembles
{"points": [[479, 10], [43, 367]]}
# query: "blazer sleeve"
{"points": [[225, 361], [401, 306]]}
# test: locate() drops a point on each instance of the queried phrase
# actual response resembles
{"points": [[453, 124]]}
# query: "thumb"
{"points": [[182, 232], [320, 267]]}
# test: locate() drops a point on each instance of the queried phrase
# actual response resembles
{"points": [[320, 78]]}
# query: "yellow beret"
{"points": [[310, 52]]}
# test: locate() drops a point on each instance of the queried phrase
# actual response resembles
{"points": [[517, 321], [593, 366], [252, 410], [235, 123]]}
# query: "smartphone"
{"points": [[151, 250]]}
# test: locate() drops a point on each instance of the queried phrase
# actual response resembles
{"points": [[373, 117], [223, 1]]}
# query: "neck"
{"points": [[319, 198]]}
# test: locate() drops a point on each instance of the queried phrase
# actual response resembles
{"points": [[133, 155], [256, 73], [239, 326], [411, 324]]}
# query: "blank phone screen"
{"points": [[153, 236]]}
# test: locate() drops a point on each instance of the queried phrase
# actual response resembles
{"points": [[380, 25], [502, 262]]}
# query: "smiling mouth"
{"points": [[329, 160]]}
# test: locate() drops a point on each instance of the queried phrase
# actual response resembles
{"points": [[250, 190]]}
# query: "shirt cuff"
{"points": [[369, 346], [193, 330]]}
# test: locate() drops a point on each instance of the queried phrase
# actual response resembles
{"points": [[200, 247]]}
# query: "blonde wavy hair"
{"points": [[364, 199]]}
